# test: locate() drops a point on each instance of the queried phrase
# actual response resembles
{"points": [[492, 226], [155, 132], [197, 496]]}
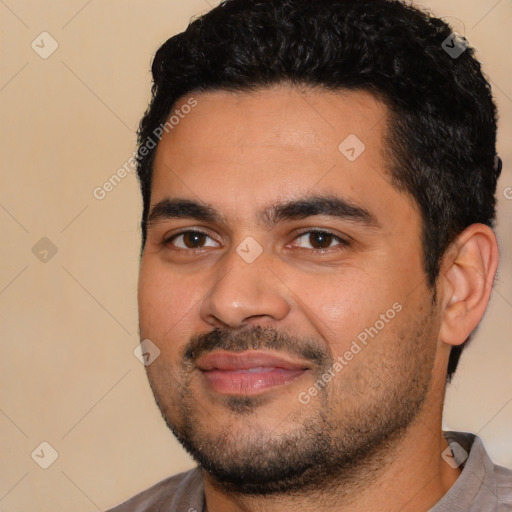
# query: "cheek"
{"points": [[335, 311], [342, 306], [166, 301]]}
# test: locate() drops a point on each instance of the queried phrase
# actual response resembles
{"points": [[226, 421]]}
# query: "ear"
{"points": [[467, 275]]}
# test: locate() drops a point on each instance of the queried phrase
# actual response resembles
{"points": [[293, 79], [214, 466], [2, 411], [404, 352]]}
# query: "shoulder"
{"points": [[504, 485], [183, 492], [482, 485]]}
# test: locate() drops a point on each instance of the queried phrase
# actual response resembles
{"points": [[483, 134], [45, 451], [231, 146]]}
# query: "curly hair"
{"points": [[442, 129]]}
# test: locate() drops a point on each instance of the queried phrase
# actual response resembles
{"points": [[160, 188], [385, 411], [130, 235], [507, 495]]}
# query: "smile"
{"points": [[249, 372]]}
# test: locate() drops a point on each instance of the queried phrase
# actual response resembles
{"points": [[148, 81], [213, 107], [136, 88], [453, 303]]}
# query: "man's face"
{"points": [[283, 282]]}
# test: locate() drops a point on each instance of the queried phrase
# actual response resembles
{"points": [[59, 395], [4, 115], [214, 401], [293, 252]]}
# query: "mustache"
{"points": [[257, 337]]}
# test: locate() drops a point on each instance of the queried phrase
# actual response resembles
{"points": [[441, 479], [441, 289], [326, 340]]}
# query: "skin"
{"points": [[240, 153]]}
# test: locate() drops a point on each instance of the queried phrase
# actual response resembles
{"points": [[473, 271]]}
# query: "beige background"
{"points": [[68, 375]]}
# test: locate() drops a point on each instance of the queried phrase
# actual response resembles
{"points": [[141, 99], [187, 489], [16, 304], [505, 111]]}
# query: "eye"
{"points": [[191, 240], [319, 240]]}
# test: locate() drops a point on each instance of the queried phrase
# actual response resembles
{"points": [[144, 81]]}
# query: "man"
{"points": [[318, 182]]}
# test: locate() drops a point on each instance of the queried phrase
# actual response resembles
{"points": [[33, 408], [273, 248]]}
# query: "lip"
{"points": [[224, 360], [249, 372]]}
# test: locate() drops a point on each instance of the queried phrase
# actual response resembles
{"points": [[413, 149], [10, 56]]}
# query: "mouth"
{"points": [[249, 372]]}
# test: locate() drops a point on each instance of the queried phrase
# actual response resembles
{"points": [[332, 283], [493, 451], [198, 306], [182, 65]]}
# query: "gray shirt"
{"points": [[481, 486]]}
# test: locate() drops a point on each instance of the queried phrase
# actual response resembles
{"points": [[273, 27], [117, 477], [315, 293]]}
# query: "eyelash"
{"points": [[342, 242]]}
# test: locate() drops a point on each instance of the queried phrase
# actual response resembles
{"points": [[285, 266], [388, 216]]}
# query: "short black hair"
{"points": [[442, 128]]}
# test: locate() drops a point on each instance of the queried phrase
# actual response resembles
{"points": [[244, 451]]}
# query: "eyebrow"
{"points": [[332, 206], [182, 209]]}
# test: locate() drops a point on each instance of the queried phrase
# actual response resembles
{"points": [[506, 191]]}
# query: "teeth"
{"points": [[258, 369]]}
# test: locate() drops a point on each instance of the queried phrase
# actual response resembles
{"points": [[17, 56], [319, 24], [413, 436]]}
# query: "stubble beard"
{"points": [[332, 441]]}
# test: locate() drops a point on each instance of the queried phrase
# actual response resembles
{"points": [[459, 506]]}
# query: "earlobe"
{"points": [[467, 275]]}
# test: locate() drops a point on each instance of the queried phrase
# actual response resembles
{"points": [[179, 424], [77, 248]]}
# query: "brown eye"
{"points": [[194, 239], [191, 240], [319, 240]]}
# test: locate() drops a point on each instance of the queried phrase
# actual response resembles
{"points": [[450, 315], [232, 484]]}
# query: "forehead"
{"points": [[242, 149], [279, 117]]}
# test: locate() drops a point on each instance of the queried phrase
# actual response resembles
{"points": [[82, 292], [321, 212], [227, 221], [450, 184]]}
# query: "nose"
{"points": [[245, 293]]}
